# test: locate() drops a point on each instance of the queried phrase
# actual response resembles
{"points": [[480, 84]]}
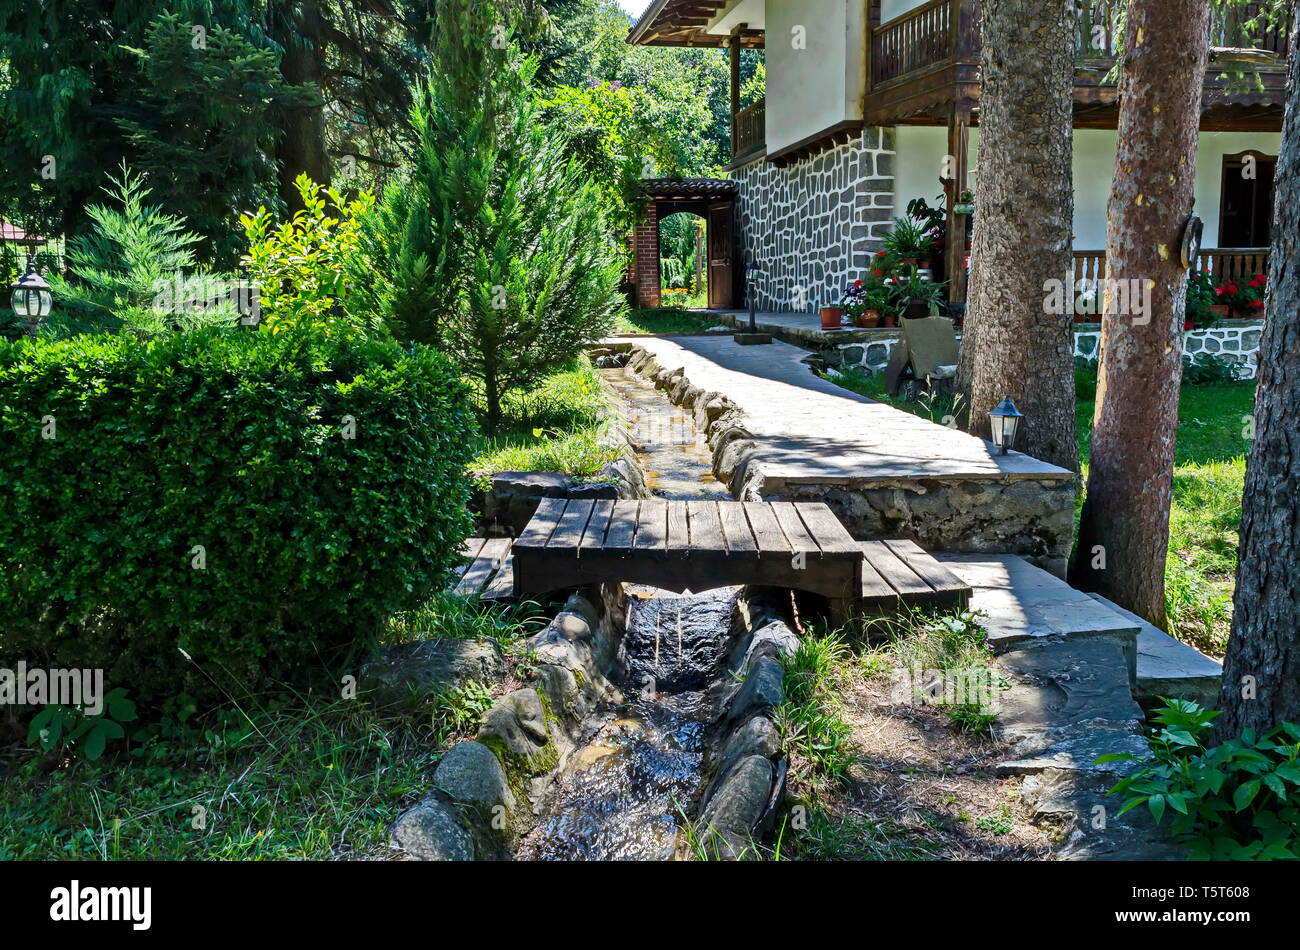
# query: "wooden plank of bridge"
{"points": [[652, 529], [795, 530], [594, 537], [771, 539], [706, 527], [502, 586], [469, 550], [538, 530], [947, 586], [735, 528], [826, 529], [679, 527], [571, 525], [622, 527], [912, 574], [491, 557]]}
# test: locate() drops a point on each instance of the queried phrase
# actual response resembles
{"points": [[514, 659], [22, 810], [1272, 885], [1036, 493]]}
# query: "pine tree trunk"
{"points": [[1265, 642], [302, 145], [1011, 344], [1124, 532]]}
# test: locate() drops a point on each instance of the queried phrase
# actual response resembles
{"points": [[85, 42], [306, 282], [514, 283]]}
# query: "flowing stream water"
{"points": [[626, 792]]}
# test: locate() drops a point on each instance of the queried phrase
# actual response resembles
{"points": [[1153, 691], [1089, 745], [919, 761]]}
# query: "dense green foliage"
{"points": [[133, 270], [260, 502], [306, 267], [206, 124], [495, 247], [1236, 801]]}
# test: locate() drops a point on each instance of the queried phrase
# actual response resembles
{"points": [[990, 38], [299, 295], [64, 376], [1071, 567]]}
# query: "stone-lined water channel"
{"points": [[627, 792]]}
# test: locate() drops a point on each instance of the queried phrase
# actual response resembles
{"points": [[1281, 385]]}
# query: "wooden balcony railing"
{"points": [[751, 129], [917, 40], [1235, 263], [930, 35]]}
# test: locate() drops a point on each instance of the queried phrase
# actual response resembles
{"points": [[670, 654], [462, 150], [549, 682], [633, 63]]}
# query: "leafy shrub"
{"points": [[1237, 801], [1208, 368], [302, 266], [261, 502], [64, 727]]}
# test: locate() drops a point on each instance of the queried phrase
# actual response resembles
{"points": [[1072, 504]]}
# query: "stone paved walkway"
{"points": [[808, 430]]}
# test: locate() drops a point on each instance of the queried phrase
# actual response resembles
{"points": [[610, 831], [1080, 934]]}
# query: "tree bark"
{"points": [[302, 145], [1124, 532], [1011, 344], [1264, 649]]}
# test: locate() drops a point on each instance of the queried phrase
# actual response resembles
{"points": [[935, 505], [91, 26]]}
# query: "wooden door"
{"points": [[723, 266]]}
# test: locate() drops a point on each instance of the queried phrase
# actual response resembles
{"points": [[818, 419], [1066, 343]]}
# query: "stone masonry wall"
{"points": [[1236, 341], [811, 227]]}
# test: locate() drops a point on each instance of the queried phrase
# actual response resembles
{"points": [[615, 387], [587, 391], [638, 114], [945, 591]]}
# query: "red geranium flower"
{"points": [[857, 283], [1257, 304]]}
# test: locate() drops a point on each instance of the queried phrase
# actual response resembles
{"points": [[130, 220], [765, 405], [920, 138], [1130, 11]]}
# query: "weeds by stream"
{"points": [[878, 772]]}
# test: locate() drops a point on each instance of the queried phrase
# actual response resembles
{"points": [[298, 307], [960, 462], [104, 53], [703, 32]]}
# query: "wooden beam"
{"points": [[955, 245], [734, 51]]}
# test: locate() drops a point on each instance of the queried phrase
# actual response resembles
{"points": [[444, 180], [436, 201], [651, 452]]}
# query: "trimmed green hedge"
{"points": [[233, 441]]}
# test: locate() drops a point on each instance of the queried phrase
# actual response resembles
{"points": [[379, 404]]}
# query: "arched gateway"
{"points": [[714, 200]]}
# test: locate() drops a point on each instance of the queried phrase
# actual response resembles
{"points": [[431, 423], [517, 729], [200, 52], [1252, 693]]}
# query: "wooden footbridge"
{"points": [[700, 545]]}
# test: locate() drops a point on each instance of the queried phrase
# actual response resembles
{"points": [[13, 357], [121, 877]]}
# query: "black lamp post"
{"points": [[1004, 420], [751, 268], [31, 299]]}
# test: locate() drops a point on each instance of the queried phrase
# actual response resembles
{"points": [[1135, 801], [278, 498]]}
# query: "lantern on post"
{"points": [[1004, 420], [31, 299]]}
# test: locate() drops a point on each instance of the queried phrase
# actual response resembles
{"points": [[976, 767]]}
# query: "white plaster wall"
{"points": [[919, 164], [921, 150], [749, 12], [813, 88], [893, 8]]}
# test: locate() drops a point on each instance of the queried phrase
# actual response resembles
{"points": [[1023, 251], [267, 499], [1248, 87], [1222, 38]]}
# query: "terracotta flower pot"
{"points": [[1220, 311], [867, 319], [832, 318], [890, 320]]}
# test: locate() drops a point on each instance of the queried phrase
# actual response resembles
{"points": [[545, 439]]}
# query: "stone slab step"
{"points": [[1167, 667], [1021, 603]]}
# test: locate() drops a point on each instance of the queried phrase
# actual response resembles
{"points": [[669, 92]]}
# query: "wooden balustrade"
{"points": [[927, 36], [917, 40], [751, 128], [1237, 264]]}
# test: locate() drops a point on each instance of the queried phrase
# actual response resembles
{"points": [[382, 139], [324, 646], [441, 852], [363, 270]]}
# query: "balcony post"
{"points": [[955, 239], [734, 51]]}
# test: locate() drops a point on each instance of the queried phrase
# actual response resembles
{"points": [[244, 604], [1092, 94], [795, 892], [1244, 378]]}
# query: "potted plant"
{"points": [[914, 296], [1245, 303], [910, 242], [832, 318], [864, 301], [1202, 310]]}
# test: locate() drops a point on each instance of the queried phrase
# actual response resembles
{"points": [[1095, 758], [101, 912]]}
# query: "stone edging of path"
{"points": [[1007, 512]]}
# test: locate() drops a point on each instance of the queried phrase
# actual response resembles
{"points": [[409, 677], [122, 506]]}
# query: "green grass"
{"points": [[290, 776], [558, 427], [809, 721], [949, 659], [665, 320], [1205, 512]]}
